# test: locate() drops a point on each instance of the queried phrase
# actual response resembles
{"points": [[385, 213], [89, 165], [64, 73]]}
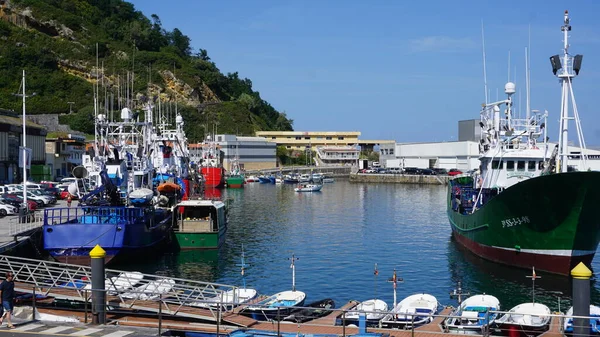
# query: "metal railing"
{"points": [[124, 289], [16, 225]]}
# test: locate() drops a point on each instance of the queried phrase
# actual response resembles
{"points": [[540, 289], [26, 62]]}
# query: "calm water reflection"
{"points": [[339, 235]]}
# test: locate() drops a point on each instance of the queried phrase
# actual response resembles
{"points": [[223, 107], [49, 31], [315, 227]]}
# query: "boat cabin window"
{"points": [[541, 165], [521, 165], [531, 165], [496, 165], [510, 165]]}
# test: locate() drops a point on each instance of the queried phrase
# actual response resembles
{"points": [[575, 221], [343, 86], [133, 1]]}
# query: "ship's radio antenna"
{"points": [[484, 68]]}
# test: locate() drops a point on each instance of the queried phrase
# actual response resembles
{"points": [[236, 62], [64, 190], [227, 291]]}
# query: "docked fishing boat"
{"points": [[594, 321], [515, 210], [529, 319], [308, 187], [413, 311], [311, 311], [374, 310], [119, 214], [200, 223], [473, 315], [211, 164], [280, 304]]}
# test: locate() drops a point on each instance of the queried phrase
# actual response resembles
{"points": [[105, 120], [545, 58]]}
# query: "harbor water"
{"points": [[340, 233]]}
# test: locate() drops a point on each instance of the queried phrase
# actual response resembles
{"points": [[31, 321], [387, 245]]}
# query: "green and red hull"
{"points": [[236, 181], [550, 222]]}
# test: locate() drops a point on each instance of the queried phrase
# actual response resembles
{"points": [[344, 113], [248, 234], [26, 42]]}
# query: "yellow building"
{"points": [[300, 140]]}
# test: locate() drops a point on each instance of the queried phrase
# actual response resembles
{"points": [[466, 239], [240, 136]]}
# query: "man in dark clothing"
{"points": [[7, 287]]}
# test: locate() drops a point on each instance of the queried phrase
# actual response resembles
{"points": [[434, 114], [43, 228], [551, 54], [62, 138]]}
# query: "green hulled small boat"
{"points": [[200, 224], [235, 181]]}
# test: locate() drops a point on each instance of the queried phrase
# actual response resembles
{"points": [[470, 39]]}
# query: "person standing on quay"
{"points": [[69, 201], [7, 287]]}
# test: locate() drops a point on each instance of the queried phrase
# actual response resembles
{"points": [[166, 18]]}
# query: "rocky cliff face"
{"points": [[174, 88], [24, 19]]}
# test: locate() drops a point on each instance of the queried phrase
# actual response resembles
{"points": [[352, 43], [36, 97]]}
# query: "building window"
{"points": [[521, 165], [327, 138], [510, 165], [275, 137], [289, 147], [391, 151], [531, 165], [306, 137], [496, 165], [340, 138], [297, 146], [298, 138]]}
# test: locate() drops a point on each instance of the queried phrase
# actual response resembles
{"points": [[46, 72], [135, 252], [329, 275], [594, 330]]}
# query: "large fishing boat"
{"points": [[527, 206], [125, 214]]}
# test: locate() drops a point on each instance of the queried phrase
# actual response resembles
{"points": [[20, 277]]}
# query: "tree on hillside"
{"points": [[180, 42]]}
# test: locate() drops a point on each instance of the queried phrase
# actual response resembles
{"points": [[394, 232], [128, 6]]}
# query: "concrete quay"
{"points": [[399, 179]]}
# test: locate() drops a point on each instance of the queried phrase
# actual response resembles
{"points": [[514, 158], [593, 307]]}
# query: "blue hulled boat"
{"points": [[139, 172], [71, 233]]}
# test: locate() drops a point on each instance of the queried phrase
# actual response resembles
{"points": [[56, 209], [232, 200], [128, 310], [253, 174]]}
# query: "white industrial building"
{"points": [[462, 154]]}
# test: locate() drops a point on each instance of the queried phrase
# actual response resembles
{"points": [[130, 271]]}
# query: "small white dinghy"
{"points": [[414, 310], [121, 282], [373, 309], [473, 314], [282, 303], [233, 297], [530, 318], [306, 187], [151, 290]]}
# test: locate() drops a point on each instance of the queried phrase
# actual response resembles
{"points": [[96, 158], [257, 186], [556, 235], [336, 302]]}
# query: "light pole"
{"points": [[24, 150], [70, 107]]}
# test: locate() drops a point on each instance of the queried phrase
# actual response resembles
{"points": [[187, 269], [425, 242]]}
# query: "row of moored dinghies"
{"points": [[476, 314], [139, 171]]}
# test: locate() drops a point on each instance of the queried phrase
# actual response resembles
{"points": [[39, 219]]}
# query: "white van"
{"points": [[376, 164]]}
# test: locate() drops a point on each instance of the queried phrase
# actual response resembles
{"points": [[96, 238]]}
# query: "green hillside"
{"points": [[57, 43]]}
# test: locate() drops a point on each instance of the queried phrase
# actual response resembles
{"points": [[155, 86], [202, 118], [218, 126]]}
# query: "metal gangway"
{"points": [[125, 290]]}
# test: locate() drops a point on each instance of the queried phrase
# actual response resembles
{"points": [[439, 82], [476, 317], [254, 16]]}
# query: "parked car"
{"points": [[65, 194], [440, 171], [6, 209], [454, 172], [33, 205], [53, 191], [412, 170], [427, 172]]}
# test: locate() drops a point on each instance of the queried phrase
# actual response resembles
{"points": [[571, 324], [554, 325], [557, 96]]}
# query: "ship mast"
{"points": [[566, 68]]}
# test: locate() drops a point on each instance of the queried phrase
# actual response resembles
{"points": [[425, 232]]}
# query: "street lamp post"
{"points": [[25, 209], [70, 107]]}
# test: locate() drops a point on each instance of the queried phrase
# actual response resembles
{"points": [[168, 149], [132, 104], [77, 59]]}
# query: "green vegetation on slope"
{"points": [[57, 41]]}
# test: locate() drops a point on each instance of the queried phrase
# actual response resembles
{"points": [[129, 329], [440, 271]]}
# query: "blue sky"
{"points": [[403, 70]]}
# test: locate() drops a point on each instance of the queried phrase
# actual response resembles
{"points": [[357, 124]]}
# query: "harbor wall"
{"points": [[398, 179]]}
